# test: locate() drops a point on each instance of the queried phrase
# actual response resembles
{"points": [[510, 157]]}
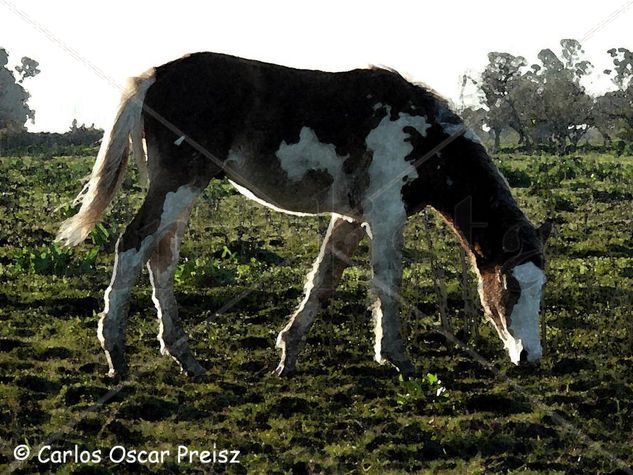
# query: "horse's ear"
{"points": [[545, 229]]}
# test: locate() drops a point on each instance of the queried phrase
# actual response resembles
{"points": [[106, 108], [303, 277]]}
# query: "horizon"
{"points": [[84, 64]]}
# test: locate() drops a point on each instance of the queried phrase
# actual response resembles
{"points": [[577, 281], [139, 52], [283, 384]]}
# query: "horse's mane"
{"points": [[416, 83]]}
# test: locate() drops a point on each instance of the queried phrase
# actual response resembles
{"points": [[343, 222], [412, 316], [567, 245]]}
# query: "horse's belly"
{"points": [[301, 178], [310, 200]]}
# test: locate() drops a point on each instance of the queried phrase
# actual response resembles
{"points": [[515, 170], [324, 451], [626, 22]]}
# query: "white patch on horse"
{"points": [[309, 154], [388, 142], [524, 320], [175, 203], [178, 142], [367, 229]]}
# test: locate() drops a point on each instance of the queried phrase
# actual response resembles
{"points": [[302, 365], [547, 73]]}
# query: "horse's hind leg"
{"points": [[162, 267], [164, 203], [111, 329], [340, 241]]}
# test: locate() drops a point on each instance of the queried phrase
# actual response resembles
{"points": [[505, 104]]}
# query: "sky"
{"points": [[86, 50]]}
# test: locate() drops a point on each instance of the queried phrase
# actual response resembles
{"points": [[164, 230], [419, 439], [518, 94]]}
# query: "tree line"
{"points": [[15, 112], [545, 104]]}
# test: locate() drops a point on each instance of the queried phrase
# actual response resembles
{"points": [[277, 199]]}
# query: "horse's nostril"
{"points": [[523, 357]]}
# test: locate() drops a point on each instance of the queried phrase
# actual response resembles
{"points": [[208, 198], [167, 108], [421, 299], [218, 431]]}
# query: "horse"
{"points": [[366, 146]]}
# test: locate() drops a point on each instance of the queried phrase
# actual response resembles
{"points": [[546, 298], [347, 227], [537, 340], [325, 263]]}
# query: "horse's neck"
{"points": [[475, 200]]}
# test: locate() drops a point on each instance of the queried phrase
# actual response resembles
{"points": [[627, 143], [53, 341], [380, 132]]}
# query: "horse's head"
{"points": [[510, 292]]}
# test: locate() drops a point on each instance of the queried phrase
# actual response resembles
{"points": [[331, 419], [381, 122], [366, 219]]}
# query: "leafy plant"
{"points": [[54, 260], [418, 389]]}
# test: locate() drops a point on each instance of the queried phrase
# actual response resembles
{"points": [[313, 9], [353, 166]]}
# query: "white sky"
{"points": [[432, 42]]}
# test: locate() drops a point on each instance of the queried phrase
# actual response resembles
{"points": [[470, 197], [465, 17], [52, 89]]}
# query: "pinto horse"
{"points": [[366, 146]]}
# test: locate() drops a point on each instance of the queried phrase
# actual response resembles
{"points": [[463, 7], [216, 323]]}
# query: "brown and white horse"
{"points": [[365, 145]]}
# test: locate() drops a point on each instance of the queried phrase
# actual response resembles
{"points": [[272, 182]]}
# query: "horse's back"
{"points": [[297, 139]]}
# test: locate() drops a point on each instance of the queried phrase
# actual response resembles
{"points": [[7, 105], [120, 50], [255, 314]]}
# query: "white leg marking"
{"points": [[176, 203]]}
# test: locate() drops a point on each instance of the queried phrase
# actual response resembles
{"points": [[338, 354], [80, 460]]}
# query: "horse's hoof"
{"points": [[117, 375], [117, 364], [403, 366], [195, 371], [406, 369], [190, 366], [408, 372], [284, 370]]}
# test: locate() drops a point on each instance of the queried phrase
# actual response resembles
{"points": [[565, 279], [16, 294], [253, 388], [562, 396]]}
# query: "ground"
{"points": [[242, 273]]}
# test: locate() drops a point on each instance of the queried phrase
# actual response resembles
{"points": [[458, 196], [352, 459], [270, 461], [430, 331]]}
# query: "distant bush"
{"points": [[79, 140]]}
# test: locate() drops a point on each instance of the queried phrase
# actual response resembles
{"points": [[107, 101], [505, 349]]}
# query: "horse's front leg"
{"points": [[386, 259], [340, 242]]}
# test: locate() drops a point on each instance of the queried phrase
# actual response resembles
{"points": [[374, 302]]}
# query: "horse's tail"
{"points": [[108, 170]]}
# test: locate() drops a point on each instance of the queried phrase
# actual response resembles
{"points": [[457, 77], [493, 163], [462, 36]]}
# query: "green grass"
{"points": [[342, 411]]}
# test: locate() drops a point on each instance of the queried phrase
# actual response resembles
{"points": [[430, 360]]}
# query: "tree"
{"points": [[14, 108], [551, 102], [499, 79], [28, 69], [566, 110], [623, 67], [572, 53], [602, 118], [82, 134], [475, 119], [615, 111]]}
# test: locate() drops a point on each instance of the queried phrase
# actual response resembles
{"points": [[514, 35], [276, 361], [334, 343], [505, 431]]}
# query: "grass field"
{"points": [[341, 411]]}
